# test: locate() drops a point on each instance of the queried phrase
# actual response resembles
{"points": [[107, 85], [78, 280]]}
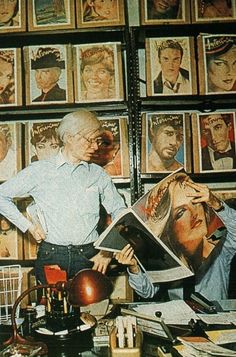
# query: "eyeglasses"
{"points": [[97, 141]]}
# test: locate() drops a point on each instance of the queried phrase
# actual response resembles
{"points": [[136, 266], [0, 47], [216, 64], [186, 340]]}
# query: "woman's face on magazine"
{"points": [[189, 221]]}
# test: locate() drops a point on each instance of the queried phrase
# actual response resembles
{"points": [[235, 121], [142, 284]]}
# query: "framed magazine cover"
{"points": [[91, 13], [102, 61], [10, 155], [214, 139], [13, 16], [217, 55], [11, 80], [213, 11], [11, 241], [152, 13], [51, 15], [113, 154], [48, 74], [41, 140], [160, 79], [165, 143]]}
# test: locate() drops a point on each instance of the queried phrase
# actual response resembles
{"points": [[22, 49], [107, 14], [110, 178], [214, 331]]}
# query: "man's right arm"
{"points": [[17, 186]]}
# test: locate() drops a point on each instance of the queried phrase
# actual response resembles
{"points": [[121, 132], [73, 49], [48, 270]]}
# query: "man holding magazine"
{"points": [[187, 230]]}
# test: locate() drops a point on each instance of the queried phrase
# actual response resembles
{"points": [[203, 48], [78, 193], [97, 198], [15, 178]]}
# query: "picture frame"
{"points": [[10, 62], [51, 15], [11, 155], [165, 142], [215, 53], [113, 154], [90, 15], [41, 139], [14, 19], [57, 59], [109, 69], [211, 154], [159, 80], [11, 241], [172, 14], [204, 11]]}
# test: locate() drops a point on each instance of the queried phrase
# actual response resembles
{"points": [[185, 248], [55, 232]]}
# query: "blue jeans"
{"points": [[71, 258]]}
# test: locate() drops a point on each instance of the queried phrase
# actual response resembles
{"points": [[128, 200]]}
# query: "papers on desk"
{"points": [[221, 318], [175, 312], [201, 346], [222, 337]]}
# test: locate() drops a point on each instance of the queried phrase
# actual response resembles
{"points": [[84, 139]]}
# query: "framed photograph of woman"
{"points": [[156, 12], [41, 140], [170, 66], [48, 74], [10, 77], [51, 15], [213, 11], [214, 142], [165, 142], [11, 241], [12, 16], [97, 13], [217, 57], [98, 72], [113, 153], [10, 149]]}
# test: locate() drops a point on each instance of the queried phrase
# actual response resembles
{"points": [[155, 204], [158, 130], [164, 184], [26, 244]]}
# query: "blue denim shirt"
{"points": [[68, 196], [214, 283]]}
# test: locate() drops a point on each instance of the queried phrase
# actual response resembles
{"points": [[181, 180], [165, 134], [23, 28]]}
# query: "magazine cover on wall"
{"points": [[170, 66], [10, 149], [113, 153], [96, 13], [217, 57], [213, 11], [41, 140], [12, 16], [11, 241], [10, 78], [214, 142], [51, 15], [98, 72], [48, 74], [158, 222], [165, 143], [154, 12]]}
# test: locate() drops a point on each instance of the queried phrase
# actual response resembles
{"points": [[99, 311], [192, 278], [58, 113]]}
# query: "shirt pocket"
{"points": [[89, 202]]}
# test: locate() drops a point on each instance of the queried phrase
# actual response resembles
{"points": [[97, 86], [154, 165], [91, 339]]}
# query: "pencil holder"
{"points": [[126, 351]]}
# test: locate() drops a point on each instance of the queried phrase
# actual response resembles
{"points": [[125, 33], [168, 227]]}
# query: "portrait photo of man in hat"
{"points": [[49, 68]]}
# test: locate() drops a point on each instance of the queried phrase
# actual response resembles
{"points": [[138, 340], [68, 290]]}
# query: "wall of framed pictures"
{"points": [[137, 101]]}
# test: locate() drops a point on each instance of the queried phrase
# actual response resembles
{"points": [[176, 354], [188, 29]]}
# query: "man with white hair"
{"points": [[67, 191]]}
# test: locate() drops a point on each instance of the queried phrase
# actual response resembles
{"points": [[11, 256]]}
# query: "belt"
{"points": [[67, 247]]}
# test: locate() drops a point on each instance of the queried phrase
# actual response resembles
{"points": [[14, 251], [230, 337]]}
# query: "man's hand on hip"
{"points": [[37, 232]]}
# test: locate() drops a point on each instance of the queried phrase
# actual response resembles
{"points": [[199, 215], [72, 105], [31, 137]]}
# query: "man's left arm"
{"points": [[114, 205]]}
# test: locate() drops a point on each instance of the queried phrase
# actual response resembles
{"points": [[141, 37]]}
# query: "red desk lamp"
{"points": [[88, 286]]}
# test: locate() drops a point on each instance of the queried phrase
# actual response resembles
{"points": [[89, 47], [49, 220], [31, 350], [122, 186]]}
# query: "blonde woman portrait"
{"points": [[97, 73]]}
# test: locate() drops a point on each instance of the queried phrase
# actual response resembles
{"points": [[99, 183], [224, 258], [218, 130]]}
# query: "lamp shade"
{"points": [[87, 287]]}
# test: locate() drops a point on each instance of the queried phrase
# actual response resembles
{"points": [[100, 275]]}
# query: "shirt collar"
{"points": [[61, 160]]}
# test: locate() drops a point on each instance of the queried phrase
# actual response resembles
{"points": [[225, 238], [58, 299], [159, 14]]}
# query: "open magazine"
{"points": [[172, 237]]}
